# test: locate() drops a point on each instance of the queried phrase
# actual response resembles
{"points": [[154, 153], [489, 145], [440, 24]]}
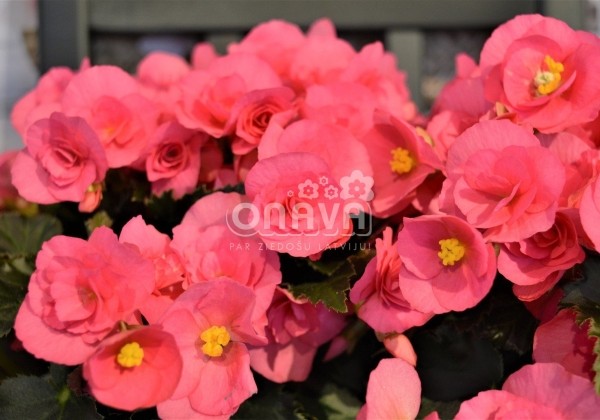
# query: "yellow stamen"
{"points": [[402, 162], [547, 81], [425, 135], [215, 338], [451, 251], [131, 355]]}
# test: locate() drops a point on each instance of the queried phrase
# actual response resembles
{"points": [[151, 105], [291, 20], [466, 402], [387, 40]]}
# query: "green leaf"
{"points": [[326, 267], [332, 290], [14, 278], [594, 331], [339, 404], [32, 397], [24, 236]]}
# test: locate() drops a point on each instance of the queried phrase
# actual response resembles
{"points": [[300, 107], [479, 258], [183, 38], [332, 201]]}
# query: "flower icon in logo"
{"points": [[323, 180], [357, 185], [331, 192], [308, 189]]}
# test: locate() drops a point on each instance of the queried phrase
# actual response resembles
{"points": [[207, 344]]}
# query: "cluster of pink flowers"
{"points": [[501, 177]]}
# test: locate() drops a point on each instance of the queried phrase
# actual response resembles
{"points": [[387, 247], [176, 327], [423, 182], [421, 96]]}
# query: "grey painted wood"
{"points": [[570, 11], [63, 33], [136, 15]]}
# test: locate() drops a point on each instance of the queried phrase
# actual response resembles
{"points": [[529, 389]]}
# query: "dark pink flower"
{"points": [[345, 104], [296, 329], [210, 250], [321, 58], [169, 272], [378, 71], [377, 295], [253, 113], [502, 180], [62, 160], [134, 369], [537, 263], [109, 100], [541, 390], [172, 159], [561, 340], [275, 42], [446, 265], [543, 71], [208, 96], [342, 151], [284, 216], [589, 209], [212, 339], [159, 74], [79, 292], [401, 160]]}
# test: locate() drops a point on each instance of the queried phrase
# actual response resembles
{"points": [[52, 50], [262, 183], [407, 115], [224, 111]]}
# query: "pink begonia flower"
{"points": [[169, 272], [377, 295], [459, 105], [209, 250], [208, 96], [393, 392], [78, 293], [579, 158], [290, 210], [253, 113], [296, 330], [446, 264], [109, 100], [159, 74], [342, 151], [541, 390], [561, 340], [589, 209], [211, 161], [537, 263], [62, 159], [468, 82], [275, 41], [321, 59], [212, 339], [203, 54], [42, 100], [377, 70], [543, 71], [134, 369], [502, 180], [400, 347], [172, 159], [401, 160], [348, 105], [91, 199]]}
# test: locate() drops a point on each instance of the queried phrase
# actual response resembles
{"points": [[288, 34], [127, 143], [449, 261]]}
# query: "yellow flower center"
{"points": [[548, 80], [131, 355], [451, 251], [215, 338], [402, 162]]}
